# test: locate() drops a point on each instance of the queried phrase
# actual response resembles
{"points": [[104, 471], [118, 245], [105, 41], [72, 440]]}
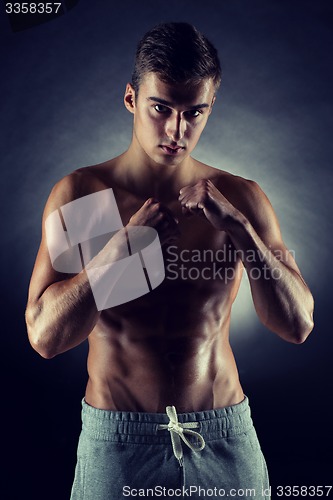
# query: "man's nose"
{"points": [[175, 127]]}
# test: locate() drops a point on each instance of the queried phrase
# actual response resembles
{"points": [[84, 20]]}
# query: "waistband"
{"points": [[141, 427]]}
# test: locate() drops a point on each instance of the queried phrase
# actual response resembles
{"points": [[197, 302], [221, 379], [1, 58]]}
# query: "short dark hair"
{"points": [[178, 53]]}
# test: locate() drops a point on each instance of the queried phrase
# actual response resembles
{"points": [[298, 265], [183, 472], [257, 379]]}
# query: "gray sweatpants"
{"points": [[212, 454]]}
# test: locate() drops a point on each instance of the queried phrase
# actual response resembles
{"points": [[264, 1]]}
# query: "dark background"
{"points": [[61, 108]]}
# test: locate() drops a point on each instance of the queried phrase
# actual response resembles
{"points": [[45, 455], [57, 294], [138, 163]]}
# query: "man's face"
{"points": [[169, 118]]}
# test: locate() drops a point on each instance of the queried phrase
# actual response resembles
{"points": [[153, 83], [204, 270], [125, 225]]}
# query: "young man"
{"points": [[164, 408]]}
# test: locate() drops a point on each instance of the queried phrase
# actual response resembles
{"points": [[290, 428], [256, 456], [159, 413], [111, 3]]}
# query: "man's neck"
{"points": [[149, 178]]}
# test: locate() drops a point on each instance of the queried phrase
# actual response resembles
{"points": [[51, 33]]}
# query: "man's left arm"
{"points": [[281, 297]]}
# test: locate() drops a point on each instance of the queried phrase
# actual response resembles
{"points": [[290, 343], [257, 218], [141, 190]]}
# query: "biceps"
{"points": [[43, 275]]}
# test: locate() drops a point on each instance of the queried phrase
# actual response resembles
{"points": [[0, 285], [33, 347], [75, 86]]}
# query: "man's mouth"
{"points": [[172, 150]]}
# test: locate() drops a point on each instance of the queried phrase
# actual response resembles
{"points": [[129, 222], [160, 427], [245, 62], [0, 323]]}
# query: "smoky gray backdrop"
{"points": [[61, 96]]}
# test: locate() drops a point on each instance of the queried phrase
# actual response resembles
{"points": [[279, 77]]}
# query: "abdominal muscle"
{"points": [[148, 362]]}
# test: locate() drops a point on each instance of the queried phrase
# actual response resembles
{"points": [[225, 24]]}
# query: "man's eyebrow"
{"points": [[168, 103]]}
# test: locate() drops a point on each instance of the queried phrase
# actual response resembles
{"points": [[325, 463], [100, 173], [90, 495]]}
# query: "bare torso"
{"points": [[170, 346]]}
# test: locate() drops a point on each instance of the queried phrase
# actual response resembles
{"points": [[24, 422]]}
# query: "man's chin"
{"points": [[170, 160]]}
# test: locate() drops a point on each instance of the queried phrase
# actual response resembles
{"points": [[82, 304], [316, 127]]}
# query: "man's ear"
{"points": [[212, 104], [129, 98]]}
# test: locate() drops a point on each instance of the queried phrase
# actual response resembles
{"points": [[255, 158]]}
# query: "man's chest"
{"points": [[198, 245]]}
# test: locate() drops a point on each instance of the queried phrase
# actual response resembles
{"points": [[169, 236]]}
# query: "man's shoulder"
{"points": [[79, 183], [248, 197], [84, 181], [245, 194], [231, 184]]}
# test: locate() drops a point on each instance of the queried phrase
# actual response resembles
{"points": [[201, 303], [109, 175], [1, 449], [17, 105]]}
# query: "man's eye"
{"points": [[194, 113], [160, 109]]}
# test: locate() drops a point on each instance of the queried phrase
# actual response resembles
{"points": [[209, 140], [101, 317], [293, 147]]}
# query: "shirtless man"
{"points": [[170, 347]]}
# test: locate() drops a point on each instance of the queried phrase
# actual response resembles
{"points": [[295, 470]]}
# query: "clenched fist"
{"points": [[156, 215], [204, 199]]}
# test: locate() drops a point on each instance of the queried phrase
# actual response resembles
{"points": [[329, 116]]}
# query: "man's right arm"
{"points": [[61, 310]]}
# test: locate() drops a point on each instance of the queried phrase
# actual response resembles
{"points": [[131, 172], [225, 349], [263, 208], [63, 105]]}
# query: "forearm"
{"points": [[66, 312], [63, 317], [282, 299]]}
